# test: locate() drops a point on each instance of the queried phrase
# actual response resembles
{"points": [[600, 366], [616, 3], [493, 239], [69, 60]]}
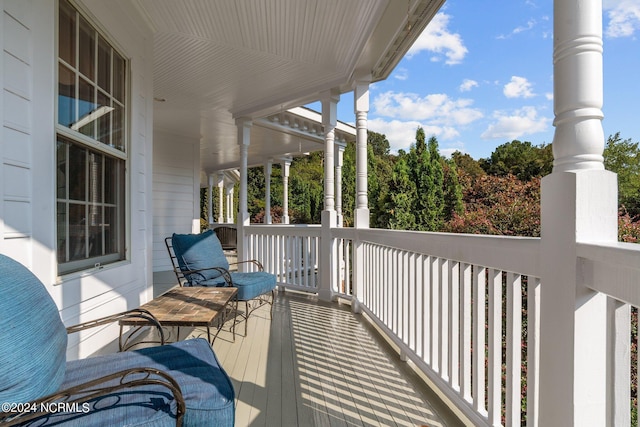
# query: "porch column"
{"points": [[361, 109], [328, 251], [579, 204], [340, 146], [361, 211], [286, 163], [267, 191], [220, 197], [210, 198], [229, 197], [244, 139]]}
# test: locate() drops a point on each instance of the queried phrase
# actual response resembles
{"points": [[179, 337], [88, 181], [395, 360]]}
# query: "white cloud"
{"points": [[401, 74], [518, 87], [524, 121], [467, 85], [624, 17], [437, 38], [401, 134], [436, 109]]}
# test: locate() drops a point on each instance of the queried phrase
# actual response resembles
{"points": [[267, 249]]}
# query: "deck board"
{"points": [[317, 364]]}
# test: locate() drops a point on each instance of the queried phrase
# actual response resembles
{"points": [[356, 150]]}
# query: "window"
{"points": [[90, 146]]}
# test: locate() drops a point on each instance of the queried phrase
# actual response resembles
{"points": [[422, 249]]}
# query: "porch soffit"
{"points": [[218, 60]]}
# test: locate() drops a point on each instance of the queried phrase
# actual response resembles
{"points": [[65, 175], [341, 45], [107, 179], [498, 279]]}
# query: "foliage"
{"points": [[521, 159], [623, 158], [466, 163], [498, 205]]}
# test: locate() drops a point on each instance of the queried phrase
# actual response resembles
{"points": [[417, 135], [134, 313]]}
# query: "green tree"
{"points": [[623, 158], [452, 190], [398, 212], [521, 159], [465, 163]]}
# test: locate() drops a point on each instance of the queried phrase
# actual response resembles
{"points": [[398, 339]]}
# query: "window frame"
{"points": [[90, 145]]}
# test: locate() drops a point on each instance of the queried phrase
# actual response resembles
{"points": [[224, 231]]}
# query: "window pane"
{"points": [[77, 231], [77, 173], [66, 96], [104, 64], [67, 34], [61, 171], [95, 179], [86, 109], [118, 77], [87, 49], [95, 231], [117, 134], [62, 232], [104, 119], [111, 180], [110, 231]]}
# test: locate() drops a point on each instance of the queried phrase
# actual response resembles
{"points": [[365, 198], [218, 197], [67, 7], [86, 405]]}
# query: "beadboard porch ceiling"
{"points": [[216, 61]]}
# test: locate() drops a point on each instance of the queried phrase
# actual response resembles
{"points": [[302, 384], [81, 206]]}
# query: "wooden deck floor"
{"points": [[317, 364]]}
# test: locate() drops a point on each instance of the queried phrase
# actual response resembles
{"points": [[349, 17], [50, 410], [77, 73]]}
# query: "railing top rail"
{"points": [[612, 268], [507, 253]]}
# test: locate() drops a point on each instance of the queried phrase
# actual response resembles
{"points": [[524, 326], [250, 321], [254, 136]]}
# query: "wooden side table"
{"points": [[190, 306]]}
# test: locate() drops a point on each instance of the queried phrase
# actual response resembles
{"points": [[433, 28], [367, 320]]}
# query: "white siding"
{"points": [[176, 186], [27, 162]]}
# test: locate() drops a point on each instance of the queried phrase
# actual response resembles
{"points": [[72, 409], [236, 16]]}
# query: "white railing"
{"points": [[464, 308], [291, 252], [614, 271], [453, 305]]}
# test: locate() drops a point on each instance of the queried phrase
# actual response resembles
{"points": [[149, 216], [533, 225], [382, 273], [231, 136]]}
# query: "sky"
{"points": [[481, 75]]}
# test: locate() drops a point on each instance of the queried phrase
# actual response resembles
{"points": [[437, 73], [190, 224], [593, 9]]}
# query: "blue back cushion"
{"points": [[33, 340], [198, 251]]}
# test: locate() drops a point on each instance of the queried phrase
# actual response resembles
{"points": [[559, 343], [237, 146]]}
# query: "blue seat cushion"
{"points": [[206, 388], [197, 252], [250, 285], [33, 341]]}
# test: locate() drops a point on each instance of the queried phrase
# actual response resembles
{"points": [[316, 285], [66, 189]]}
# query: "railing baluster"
{"points": [[465, 333], [479, 339], [620, 367], [533, 350], [435, 312], [514, 349], [495, 347], [426, 280], [443, 286], [454, 325]]}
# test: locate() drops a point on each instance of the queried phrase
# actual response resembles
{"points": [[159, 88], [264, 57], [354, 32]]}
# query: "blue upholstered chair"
{"points": [[198, 260], [177, 384]]}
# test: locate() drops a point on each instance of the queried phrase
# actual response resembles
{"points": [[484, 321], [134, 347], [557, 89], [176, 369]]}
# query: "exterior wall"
{"points": [[27, 152], [176, 191]]}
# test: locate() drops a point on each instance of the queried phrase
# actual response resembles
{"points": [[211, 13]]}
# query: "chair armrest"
{"points": [[80, 394], [224, 273], [136, 313], [253, 261]]}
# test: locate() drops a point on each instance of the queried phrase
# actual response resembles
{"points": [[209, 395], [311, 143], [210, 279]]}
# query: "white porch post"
{"points": [[267, 191], [244, 139], [340, 146], [220, 197], [579, 204], [286, 163], [229, 197], [210, 198], [328, 247], [361, 212]]}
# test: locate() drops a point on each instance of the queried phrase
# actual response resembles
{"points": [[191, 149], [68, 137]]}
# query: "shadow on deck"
{"points": [[318, 364]]}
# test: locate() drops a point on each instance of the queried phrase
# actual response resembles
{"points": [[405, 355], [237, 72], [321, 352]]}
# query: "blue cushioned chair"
{"points": [[198, 260], [177, 384]]}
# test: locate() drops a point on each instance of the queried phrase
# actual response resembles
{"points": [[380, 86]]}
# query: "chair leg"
{"points": [[246, 319]]}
